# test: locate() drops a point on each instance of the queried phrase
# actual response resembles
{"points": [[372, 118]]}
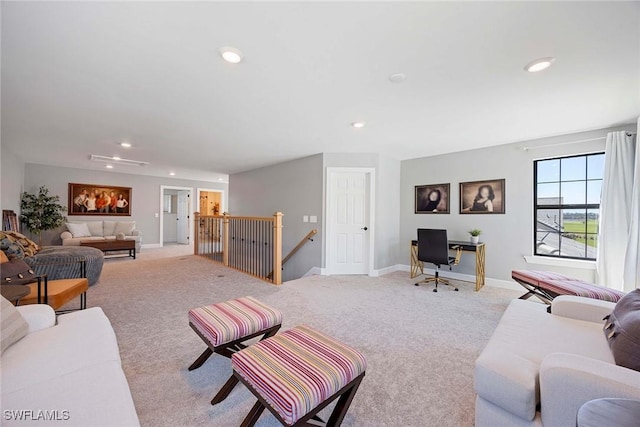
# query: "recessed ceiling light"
{"points": [[397, 78], [539, 64], [116, 158], [358, 125], [172, 173], [220, 179], [231, 54], [109, 166], [125, 145]]}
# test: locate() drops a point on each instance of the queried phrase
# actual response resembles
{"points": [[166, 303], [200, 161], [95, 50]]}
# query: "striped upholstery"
{"points": [[559, 284], [298, 370], [231, 320]]}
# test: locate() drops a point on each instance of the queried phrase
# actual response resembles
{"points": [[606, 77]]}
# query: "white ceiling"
{"points": [[79, 77]]}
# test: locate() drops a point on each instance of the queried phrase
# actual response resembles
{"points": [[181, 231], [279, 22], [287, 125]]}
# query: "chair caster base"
{"points": [[456, 289], [416, 284], [435, 290]]}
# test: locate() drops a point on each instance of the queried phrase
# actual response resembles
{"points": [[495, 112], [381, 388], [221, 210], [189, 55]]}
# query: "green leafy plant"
{"points": [[475, 232], [41, 212]]}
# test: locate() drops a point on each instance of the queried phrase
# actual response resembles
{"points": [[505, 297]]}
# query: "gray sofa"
{"points": [[539, 368]]}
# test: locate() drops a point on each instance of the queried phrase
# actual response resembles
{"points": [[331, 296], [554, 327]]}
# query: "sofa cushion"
{"points": [[78, 229], [13, 327], [30, 247], [95, 228], [506, 372], [125, 227], [109, 228], [622, 329], [81, 339]]}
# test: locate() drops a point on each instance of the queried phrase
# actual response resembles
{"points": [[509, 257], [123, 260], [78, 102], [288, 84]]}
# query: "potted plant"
{"points": [[41, 212], [475, 235]]}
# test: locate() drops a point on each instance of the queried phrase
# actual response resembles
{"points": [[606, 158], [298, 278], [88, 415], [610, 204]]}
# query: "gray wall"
{"points": [[294, 188], [145, 201], [509, 237], [12, 180]]}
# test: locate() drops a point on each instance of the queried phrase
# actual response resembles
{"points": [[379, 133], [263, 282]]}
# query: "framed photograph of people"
{"points": [[94, 199], [432, 199], [482, 197]]}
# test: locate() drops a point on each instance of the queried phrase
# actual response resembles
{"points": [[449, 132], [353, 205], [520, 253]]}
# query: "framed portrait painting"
{"points": [[482, 197], [94, 199], [432, 199]]}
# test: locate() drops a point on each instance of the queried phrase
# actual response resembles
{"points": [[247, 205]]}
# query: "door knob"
{"points": [[364, 228]]}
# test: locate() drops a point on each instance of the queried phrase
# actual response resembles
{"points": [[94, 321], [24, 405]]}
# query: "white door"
{"points": [[183, 217], [348, 222]]}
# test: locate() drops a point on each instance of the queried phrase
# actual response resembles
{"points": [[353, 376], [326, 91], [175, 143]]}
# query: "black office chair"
{"points": [[433, 247]]}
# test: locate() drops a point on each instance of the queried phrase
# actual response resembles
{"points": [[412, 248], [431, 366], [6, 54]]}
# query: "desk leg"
{"points": [[480, 276], [416, 265]]}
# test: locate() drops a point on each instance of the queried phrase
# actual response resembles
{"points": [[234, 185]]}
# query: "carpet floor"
{"points": [[420, 345]]}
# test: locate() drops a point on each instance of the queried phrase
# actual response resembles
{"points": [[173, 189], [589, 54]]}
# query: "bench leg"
{"points": [[225, 390], [342, 406], [201, 359], [253, 415]]}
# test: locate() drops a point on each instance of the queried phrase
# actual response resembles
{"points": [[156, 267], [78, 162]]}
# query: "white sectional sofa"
{"points": [[81, 231], [539, 368], [68, 373]]}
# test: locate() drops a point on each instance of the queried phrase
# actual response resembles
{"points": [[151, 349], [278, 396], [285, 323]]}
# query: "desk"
{"points": [[417, 267]]}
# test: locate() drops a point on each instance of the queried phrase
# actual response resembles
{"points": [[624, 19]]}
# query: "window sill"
{"points": [[561, 262]]}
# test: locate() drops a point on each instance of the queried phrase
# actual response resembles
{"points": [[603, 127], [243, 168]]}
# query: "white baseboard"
{"points": [[386, 270], [316, 271], [150, 245]]}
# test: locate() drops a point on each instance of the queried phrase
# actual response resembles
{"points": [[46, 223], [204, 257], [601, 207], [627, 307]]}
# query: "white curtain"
{"points": [[632, 259], [616, 209]]}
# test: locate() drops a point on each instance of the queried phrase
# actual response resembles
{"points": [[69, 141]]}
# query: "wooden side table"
{"points": [[609, 412]]}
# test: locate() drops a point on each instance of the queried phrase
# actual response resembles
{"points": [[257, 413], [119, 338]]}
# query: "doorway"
{"points": [[350, 201], [175, 217], [210, 202]]}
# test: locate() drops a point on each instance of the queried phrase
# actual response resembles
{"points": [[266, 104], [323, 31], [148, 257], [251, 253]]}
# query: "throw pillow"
{"points": [[95, 228], [10, 247], [622, 329], [125, 227], [17, 272], [120, 236], [30, 247], [78, 229], [3, 257], [12, 325]]}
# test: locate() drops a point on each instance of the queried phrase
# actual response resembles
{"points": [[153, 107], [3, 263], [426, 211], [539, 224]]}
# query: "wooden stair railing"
{"points": [[305, 239]]}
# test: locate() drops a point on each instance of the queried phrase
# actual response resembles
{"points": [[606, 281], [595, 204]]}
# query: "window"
{"points": [[567, 205]]}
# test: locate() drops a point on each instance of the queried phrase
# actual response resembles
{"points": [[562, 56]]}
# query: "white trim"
{"points": [[223, 198], [372, 210], [189, 213], [316, 271], [151, 246], [386, 270], [560, 262]]}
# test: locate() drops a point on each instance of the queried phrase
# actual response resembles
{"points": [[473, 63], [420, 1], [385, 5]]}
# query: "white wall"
{"points": [[12, 174], [509, 237], [145, 199]]}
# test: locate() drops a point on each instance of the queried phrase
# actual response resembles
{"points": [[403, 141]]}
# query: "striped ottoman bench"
{"points": [[225, 326], [547, 285], [297, 373]]}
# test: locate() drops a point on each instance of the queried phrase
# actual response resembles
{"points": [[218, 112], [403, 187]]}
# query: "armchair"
{"points": [[539, 368]]}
